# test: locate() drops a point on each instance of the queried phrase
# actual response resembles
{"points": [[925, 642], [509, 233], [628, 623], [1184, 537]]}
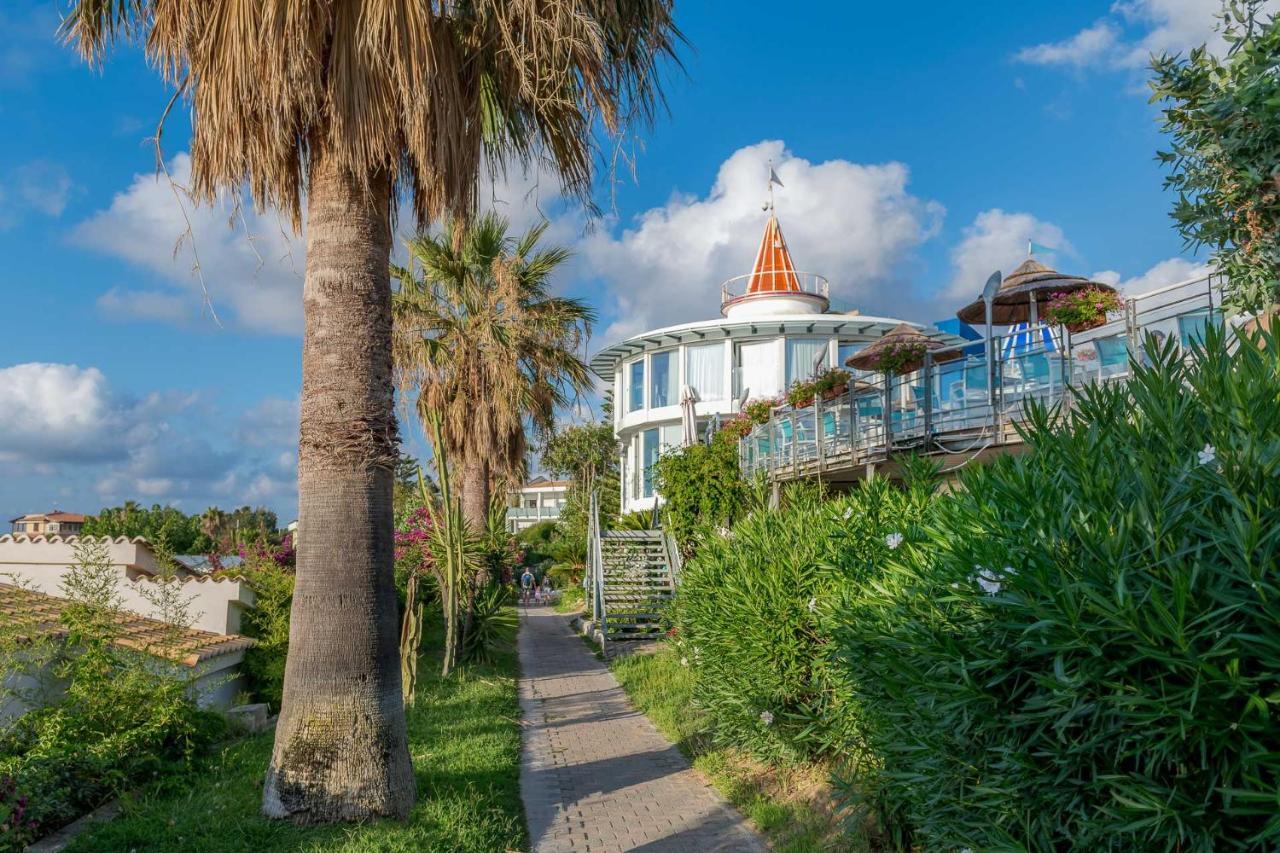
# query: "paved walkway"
{"points": [[595, 775]]}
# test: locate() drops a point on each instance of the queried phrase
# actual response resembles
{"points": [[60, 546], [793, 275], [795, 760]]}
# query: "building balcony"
{"points": [[973, 406], [813, 296]]}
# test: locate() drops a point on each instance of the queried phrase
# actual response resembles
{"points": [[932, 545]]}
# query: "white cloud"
{"points": [[58, 411], [1169, 271], [40, 185], [64, 432], [1084, 48], [1133, 30], [273, 421], [44, 186], [251, 264], [997, 240], [854, 223]]}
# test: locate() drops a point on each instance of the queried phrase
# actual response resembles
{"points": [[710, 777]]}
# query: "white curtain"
{"points": [[801, 354], [704, 371], [758, 363]]}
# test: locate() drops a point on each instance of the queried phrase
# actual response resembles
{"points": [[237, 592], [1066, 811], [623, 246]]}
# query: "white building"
{"points": [[540, 499], [776, 327]]}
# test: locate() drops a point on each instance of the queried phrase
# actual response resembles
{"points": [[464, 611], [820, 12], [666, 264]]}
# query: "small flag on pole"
{"points": [[1037, 249], [773, 177]]}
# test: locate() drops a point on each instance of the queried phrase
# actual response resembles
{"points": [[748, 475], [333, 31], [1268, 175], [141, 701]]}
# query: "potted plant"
{"points": [[736, 428], [801, 393], [1081, 310], [904, 357], [759, 411], [832, 383]]}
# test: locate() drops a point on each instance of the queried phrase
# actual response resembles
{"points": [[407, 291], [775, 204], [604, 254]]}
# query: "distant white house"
{"points": [[540, 499], [48, 523]]}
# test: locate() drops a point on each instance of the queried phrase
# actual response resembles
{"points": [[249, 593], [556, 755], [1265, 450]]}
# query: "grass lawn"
{"points": [[790, 805], [465, 738]]}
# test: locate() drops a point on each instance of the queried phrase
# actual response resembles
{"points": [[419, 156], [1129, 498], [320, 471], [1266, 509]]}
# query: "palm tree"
{"points": [[345, 107], [481, 341]]}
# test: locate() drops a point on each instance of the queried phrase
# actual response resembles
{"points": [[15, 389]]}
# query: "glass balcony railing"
{"points": [[972, 402]]}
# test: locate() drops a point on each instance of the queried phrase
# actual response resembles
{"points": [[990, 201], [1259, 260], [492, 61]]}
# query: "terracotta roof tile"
{"points": [[37, 615]]}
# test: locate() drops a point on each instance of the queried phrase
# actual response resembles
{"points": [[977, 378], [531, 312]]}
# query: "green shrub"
{"points": [[123, 716], [749, 615], [268, 623], [1084, 652], [702, 489]]}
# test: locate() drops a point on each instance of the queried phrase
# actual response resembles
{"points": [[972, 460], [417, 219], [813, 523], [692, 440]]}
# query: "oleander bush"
{"points": [[752, 611], [1082, 649]]}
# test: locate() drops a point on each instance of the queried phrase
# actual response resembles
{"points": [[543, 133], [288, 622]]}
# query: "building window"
{"points": [[662, 380], [704, 371], [635, 386], [802, 353], [650, 450]]}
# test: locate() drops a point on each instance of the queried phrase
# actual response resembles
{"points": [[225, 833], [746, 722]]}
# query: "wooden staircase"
{"points": [[638, 582]]}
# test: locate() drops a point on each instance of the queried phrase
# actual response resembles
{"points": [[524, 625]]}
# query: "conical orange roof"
{"points": [[773, 271]]}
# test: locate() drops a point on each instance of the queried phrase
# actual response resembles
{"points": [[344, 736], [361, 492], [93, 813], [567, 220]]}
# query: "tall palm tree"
{"points": [[342, 108], [480, 340]]}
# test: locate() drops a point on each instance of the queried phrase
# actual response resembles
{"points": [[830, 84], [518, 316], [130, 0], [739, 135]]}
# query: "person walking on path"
{"points": [[594, 773], [526, 587]]}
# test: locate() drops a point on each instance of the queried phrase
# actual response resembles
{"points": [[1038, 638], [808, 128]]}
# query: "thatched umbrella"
{"points": [[1016, 300], [904, 346]]}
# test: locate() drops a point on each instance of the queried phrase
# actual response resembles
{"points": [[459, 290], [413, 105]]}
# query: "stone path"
{"points": [[595, 775]]}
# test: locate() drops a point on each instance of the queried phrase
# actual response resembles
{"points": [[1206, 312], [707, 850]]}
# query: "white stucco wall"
{"points": [[42, 564]]}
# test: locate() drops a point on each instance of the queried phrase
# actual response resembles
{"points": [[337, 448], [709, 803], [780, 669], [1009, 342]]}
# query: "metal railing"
{"points": [[810, 283], [973, 398], [593, 579]]}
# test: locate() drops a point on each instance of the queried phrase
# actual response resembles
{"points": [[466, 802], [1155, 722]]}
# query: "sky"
{"points": [[150, 350]]}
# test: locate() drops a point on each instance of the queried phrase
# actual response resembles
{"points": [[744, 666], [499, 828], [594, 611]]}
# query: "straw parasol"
{"points": [[1022, 289], [903, 338]]}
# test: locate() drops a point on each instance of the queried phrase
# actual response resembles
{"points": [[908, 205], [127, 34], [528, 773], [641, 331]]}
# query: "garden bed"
{"points": [[464, 736]]}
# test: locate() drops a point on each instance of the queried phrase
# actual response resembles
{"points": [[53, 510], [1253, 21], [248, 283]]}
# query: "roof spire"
{"points": [[773, 271]]}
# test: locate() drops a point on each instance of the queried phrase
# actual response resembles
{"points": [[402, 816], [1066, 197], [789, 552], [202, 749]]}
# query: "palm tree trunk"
{"points": [[340, 750], [475, 495]]}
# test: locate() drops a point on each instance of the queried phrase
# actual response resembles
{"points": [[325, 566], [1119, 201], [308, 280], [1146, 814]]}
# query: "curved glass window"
{"points": [[635, 385], [662, 380]]}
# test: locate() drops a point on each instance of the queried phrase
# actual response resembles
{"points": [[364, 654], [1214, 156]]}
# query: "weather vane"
{"points": [[773, 179]]}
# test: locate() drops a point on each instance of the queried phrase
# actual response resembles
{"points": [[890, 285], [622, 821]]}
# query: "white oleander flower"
{"points": [[813, 605], [893, 540], [766, 718], [987, 579], [1207, 456], [684, 661]]}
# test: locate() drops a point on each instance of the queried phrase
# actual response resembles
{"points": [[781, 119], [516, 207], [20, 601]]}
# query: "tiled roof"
{"points": [[66, 516], [56, 515], [38, 615], [773, 271]]}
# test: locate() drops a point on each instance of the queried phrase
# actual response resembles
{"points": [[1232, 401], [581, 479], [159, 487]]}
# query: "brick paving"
{"points": [[595, 775]]}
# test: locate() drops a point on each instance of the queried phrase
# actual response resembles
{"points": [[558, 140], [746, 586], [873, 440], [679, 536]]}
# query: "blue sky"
{"points": [[919, 152]]}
